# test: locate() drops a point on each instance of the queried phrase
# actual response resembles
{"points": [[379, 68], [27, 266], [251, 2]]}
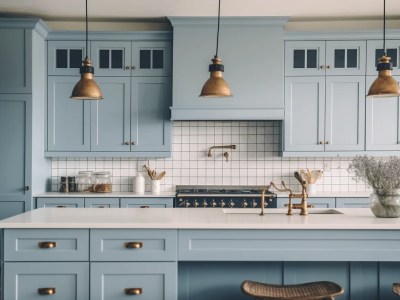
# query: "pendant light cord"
{"points": [[384, 28], [87, 29], [219, 14]]}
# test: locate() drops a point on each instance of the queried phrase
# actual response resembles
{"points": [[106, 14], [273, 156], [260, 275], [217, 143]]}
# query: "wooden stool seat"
{"points": [[304, 291], [396, 288]]}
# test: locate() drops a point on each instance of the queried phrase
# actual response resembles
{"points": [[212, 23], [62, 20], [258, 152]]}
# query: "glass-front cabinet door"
{"points": [[111, 58], [304, 58], [151, 58], [65, 57], [345, 57], [375, 51]]}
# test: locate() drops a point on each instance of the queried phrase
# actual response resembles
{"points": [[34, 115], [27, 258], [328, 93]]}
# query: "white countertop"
{"points": [[199, 218], [104, 195], [332, 194]]}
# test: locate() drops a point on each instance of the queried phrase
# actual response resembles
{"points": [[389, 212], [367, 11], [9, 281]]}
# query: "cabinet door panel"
{"points": [[317, 202], [102, 202], [15, 61], [150, 114], [345, 57], [304, 113], [23, 280], [15, 149], [110, 117], [352, 202], [144, 202], [60, 202], [374, 52], [111, 58], [345, 113], [151, 58], [304, 58], [68, 120], [382, 122], [65, 57]]}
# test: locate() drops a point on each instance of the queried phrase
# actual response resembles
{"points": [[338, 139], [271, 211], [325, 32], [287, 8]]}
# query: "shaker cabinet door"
{"points": [[304, 58], [65, 57], [68, 120], [111, 58], [151, 58]]}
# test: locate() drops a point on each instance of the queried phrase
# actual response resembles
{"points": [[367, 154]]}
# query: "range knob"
{"points": [[245, 204], [196, 203], [222, 204], [205, 204], [231, 204], [213, 203], [187, 203], [254, 203]]}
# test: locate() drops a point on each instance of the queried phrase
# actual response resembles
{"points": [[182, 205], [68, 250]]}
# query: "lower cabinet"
{"points": [[146, 280], [60, 202], [352, 202], [317, 202], [57, 280], [102, 202], [146, 202]]}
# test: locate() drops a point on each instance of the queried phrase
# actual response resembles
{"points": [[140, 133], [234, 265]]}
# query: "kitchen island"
{"points": [[191, 254]]}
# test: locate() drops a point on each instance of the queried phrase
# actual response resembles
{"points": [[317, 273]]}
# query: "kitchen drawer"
{"points": [[133, 245], [22, 281], [60, 202], [153, 281], [317, 202], [352, 202], [146, 202], [46, 245], [102, 202]]}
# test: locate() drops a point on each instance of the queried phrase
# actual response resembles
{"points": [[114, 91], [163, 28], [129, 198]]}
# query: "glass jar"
{"points": [[102, 182], [385, 203], [63, 185], [84, 181]]}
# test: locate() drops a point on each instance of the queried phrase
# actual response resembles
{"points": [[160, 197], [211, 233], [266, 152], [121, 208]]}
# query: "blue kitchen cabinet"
{"points": [[330, 58], [324, 114], [139, 58], [352, 202], [60, 202], [382, 122], [102, 202], [68, 121], [146, 202], [318, 202], [375, 51], [65, 57]]}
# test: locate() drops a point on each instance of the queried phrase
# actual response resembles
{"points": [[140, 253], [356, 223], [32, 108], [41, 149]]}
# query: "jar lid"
{"points": [[85, 173], [102, 173]]}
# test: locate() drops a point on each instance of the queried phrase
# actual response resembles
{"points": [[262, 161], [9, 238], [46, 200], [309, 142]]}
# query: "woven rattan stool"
{"points": [[306, 291], [396, 288]]}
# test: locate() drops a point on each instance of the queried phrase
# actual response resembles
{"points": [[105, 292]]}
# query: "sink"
{"points": [[311, 211]]}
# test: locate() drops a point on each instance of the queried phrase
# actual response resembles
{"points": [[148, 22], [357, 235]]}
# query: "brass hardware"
{"points": [[133, 67], [328, 66], [134, 245], [47, 291], [132, 143], [226, 155], [321, 142], [322, 67], [133, 291], [233, 147], [327, 142], [298, 206], [385, 85], [145, 206], [262, 201], [127, 143], [101, 206], [303, 196], [61, 206], [127, 68], [47, 245], [26, 188]]}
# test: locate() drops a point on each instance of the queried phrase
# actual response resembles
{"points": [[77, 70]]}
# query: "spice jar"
{"points": [[102, 182], [71, 184], [63, 185], [84, 181]]}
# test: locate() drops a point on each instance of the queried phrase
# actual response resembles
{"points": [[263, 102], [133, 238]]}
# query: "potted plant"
{"points": [[384, 177]]}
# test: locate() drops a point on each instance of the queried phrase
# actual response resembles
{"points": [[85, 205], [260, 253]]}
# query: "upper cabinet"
{"points": [[149, 58], [133, 119], [252, 52], [313, 58], [375, 51]]}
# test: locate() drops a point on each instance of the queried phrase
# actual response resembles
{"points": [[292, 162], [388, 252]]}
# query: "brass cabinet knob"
{"points": [[328, 66], [321, 142], [127, 143], [127, 68], [327, 142], [47, 291], [322, 67], [133, 143], [133, 67], [134, 245], [47, 245], [133, 291]]}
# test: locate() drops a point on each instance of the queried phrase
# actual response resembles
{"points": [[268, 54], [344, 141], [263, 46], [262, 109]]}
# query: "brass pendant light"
{"points": [[385, 85], [86, 88], [216, 86]]}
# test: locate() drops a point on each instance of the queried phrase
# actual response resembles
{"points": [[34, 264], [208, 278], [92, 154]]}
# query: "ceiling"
{"points": [[119, 10]]}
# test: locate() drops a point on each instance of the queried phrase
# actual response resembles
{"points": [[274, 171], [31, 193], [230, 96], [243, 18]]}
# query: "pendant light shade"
{"points": [[86, 88], [385, 85], [216, 86]]}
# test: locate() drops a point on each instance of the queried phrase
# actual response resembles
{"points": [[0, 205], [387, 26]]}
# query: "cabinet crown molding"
{"points": [[229, 21]]}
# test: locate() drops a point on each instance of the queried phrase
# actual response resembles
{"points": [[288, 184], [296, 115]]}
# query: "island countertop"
{"points": [[201, 218]]}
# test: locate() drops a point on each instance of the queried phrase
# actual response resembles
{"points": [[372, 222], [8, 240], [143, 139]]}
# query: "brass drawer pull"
{"points": [[145, 206], [134, 245], [47, 291], [134, 291], [47, 245]]}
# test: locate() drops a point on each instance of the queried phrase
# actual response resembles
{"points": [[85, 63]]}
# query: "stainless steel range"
{"points": [[222, 196]]}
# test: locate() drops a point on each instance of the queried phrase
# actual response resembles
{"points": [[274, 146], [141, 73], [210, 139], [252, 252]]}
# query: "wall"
{"points": [[255, 161]]}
